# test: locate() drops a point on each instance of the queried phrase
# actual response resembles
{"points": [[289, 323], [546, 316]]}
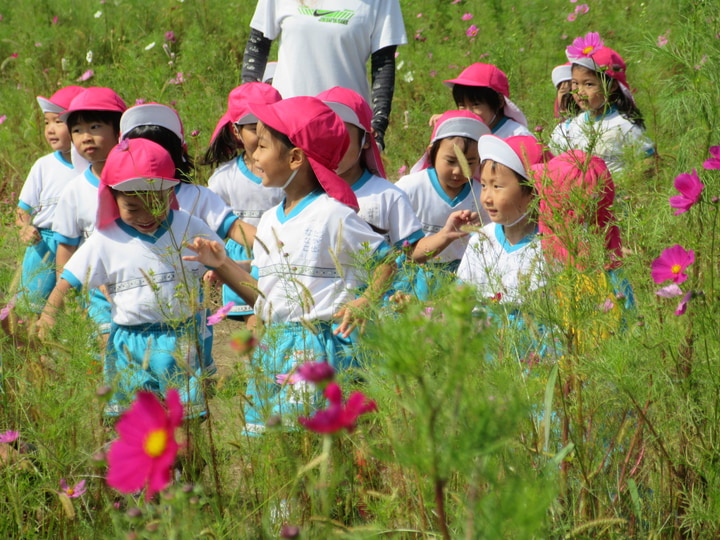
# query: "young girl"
{"points": [[562, 81], [504, 260], [136, 252], [236, 181], [39, 197], [484, 90], [307, 252], [437, 187], [609, 123]]}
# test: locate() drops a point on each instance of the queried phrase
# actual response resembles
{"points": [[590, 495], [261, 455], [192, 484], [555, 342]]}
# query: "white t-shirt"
{"points": [[202, 203], [494, 266], [607, 137], [387, 208], [309, 261], [327, 43], [507, 127], [433, 206], [45, 182], [77, 209], [243, 191], [121, 258]]}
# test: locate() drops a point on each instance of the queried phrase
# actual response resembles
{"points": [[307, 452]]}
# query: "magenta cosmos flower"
{"points": [[143, 455], [472, 31], [671, 264], [585, 47], [339, 415], [73, 492], [690, 188], [9, 436], [316, 372], [220, 314], [714, 161]]}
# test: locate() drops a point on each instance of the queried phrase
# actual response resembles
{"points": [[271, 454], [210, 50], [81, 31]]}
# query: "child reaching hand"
{"points": [[136, 252], [307, 251]]}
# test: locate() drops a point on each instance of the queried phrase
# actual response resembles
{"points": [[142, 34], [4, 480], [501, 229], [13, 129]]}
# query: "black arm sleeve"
{"points": [[382, 66], [256, 55]]}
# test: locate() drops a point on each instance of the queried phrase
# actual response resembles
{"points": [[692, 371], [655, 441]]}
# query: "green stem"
{"points": [[324, 483]]}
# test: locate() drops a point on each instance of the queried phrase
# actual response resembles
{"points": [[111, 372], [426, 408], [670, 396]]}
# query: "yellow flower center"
{"points": [[588, 49], [70, 492], [675, 268], [156, 443]]}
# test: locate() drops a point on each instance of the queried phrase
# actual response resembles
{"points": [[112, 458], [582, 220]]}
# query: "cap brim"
{"points": [[345, 113], [145, 184], [496, 149], [48, 106], [151, 115], [461, 127]]}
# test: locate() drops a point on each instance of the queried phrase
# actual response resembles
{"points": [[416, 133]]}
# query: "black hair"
{"points": [[106, 117], [624, 104], [479, 94], [526, 186], [435, 147], [223, 147], [170, 142], [287, 143]]}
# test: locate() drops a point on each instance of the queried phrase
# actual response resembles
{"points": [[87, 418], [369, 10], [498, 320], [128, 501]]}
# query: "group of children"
{"points": [[299, 222]]}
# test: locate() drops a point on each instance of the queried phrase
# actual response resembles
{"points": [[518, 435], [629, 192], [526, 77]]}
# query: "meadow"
{"points": [[615, 435]]}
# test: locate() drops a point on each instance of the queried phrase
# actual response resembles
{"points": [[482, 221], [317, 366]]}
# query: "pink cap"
{"points": [[606, 61], [133, 165], [352, 108], [60, 100], [152, 114], [453, 123], [564, 177], [518, 153], [239, 100], [561, 73], [95, 98], [313, 127]]}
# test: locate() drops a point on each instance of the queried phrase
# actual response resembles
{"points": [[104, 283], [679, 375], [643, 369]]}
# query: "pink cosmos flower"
{"points": [[144, 454], [467, 16], [284, 378], [582, 9], [402, 170], [682, 306], [178, 79], [73, 492], [85, 76], [55, 19], [456, 1], [316, 372], [9, 436], [220, 314], [14, 55], [339, 415], [3, 118], [606, 306], [671, 264], [690, 188], [662, 40], [170, 36], [195, 133], [671, 291], [571, 17], [472, 31], [585, 47], [5, 312], [714, 161]]}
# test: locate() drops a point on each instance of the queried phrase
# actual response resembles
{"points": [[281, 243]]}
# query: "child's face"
{"points": [[502, 196], [562, 89], [590, 92], [447, 165], [483, 110], [247, 135], [271, 159], [351, 160], [56, 133], [93, 140], [143, 211]]}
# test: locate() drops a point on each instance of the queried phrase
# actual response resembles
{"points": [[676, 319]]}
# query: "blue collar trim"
{"points": [[61, 159], [366, 175], [500, 235], [240, 161], [460, 197], [499, 124], [150, 238], [304, 203], [91, 177]]}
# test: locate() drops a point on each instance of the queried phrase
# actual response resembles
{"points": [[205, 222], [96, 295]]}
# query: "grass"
{"points": [[618, 438]]}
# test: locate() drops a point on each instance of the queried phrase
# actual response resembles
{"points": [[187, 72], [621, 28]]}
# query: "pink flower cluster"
{"points": [[340, 414], [582, 9]]}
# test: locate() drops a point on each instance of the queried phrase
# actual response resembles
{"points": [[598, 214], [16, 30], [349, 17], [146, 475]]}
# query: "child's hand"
{"points": [[352, 315], [209, 252], [458, 223], [433, 119], [29, 235], [212, 279]]}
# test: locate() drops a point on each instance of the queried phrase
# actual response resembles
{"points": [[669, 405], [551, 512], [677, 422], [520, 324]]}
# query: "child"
{"points": [[562, 80], [93, 119], [136, 252], [503, 260], [236, 181], [39, 197], [306, 251], [609, 123], [484, 90], [437, 187]]}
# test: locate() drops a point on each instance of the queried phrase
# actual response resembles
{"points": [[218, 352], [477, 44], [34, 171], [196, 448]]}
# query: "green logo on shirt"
{"points": [[339, 16]]}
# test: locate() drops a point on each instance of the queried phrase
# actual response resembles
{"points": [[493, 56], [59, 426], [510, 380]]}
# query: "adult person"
{"points": [[327, 43]]}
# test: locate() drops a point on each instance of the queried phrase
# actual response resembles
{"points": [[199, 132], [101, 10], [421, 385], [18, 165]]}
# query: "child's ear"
{"points": [[296, 158]]}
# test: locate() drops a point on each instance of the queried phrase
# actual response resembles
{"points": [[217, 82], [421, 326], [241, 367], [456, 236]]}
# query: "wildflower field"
{"points": [[450, 430]]}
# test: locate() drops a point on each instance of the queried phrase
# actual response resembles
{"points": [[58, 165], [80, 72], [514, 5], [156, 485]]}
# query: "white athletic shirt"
{"points": [[202, 203], [433, 206], [121, 258], [607, 137], [297, 258], [493, 266], [243, 191], [77, 209], [41, 191], [327, 43], [387, 208], [507, 127]]}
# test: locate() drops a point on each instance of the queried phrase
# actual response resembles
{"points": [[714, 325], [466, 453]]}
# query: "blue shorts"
{"points": [[236, 252], [38, 271]]}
